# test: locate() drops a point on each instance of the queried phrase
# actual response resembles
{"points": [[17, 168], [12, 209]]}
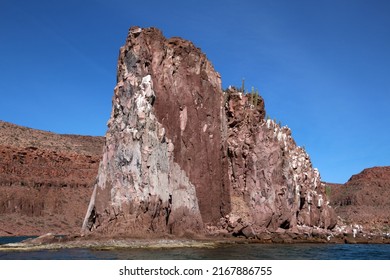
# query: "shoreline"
{"points": [[53, 242]]}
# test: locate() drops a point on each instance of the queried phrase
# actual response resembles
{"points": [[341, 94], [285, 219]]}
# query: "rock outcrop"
{"points": [[159, 173], [45, 180], [183, 156], [273, 183], [363, 201]]}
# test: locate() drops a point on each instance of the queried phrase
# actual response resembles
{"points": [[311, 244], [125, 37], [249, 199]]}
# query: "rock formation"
{"points": [[45, 180], [147, 178], [183, 156], [273, 183]]}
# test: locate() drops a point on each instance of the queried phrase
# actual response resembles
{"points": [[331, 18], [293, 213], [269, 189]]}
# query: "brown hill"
{"points": [[364, 199], [45, 179]]}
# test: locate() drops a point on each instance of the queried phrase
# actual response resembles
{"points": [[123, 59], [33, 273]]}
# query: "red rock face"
{"points": [[181, 154], [45, 180], [273, 182], [364, 199], [188, 105], [153, 175]]}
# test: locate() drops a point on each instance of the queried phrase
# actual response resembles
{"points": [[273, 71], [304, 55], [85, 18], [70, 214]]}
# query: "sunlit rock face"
{"points": [[183, 156]]}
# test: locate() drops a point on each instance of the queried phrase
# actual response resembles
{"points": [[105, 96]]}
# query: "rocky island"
{"points": [[182, 158], [182, 155]]}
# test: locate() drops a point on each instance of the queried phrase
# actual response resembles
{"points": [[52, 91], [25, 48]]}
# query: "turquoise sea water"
{"points": [[234, 251]]}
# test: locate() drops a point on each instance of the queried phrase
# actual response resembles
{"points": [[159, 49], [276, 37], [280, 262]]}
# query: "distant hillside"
{"points": [[365, 198], [23, 137], [45, 179]]}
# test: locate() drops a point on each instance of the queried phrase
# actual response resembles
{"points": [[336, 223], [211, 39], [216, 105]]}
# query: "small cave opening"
{"points": [[285, 224]]}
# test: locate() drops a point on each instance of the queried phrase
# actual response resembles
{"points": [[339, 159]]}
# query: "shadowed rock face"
{"points": [[181, 154]]}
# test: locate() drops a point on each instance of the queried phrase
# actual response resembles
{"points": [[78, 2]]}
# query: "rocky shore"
{"points": [[360, 204], [53, 242], [362, 191]]}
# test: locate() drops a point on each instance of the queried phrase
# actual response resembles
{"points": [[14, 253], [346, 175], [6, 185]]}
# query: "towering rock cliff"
{"points": [[182, 155], [161, 170]]}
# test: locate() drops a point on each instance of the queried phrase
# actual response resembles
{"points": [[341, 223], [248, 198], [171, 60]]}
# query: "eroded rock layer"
{"points": [[45, 180], [363, 201], [181, 154]]}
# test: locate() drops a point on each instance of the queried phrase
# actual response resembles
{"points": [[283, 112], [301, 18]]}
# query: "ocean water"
{"points": [[224, 252]]}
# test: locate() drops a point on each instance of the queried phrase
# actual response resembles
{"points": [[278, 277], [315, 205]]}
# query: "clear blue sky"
{"points": [[323, 67]]}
